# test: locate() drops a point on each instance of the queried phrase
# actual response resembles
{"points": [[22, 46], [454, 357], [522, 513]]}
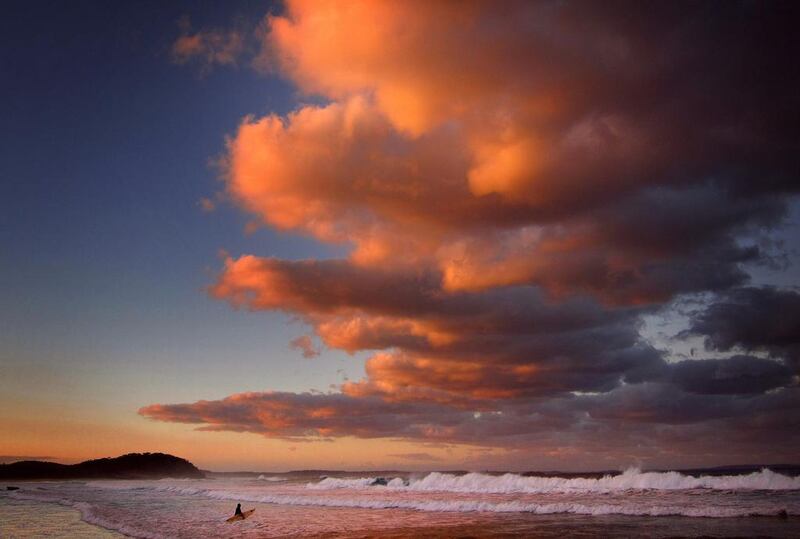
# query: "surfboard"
{"points": [[243, 516]]}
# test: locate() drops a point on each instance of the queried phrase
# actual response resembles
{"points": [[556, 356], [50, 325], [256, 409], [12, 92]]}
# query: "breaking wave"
{"points": [[465, 505], [273, 479], [512, 483]]}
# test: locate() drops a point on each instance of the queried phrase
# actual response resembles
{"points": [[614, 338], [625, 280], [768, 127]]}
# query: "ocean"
{"points": [[631, 504]]}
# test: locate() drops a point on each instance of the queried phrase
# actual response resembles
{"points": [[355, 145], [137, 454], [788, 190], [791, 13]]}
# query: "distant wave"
{"points": [[512, 483], [630, 509], [329, 483], [274, 479]]}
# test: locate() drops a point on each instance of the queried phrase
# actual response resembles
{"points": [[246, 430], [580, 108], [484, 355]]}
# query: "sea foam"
{"points": [[633, 508], [273, 479], [513, 483]]}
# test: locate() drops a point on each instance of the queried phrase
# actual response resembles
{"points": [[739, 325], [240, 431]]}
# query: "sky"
{"points": [[408, 235]]}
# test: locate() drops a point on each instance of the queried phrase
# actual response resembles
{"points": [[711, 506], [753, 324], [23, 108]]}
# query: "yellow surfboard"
{"points": [[243, 516]]}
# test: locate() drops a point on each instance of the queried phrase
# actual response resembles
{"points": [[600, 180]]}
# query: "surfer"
{"points": [[238, 509]]}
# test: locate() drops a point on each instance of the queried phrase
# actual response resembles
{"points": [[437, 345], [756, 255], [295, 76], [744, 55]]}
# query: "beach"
{"points": [[632, 504]]}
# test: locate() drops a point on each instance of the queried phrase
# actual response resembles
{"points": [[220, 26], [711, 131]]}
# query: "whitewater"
{"points": [[631, 478], [632, 503]]}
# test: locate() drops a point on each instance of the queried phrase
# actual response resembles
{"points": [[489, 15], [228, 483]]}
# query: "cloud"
{"points": [[305, 344], [648, 420], [208, 48], [517, 184], [425, 457], [737, 375], [446, 345], [303, 415], [753, 319], [207, 205]]}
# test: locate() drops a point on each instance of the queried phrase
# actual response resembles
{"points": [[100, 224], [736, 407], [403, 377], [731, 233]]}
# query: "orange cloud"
{"points": [[446, 345], [517, 184], [506, 172], [317, 44], [298, 416], [305, 344], [460, 152]]}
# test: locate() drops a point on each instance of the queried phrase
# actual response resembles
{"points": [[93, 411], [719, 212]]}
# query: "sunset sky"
{"points": [[408, 235]]}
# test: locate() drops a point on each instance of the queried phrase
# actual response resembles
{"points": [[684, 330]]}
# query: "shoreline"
{"points": [[55, 519]]}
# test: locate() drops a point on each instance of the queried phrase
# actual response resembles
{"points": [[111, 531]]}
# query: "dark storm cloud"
{"points": [[735, 375], [753, 319]]}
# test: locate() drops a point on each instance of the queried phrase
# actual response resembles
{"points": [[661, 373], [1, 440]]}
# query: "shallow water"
{"points": [[633, 504], [23, 519]]}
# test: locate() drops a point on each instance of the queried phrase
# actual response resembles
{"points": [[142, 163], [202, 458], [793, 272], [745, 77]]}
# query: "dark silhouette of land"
{"points": [[6, 459], [130, 466]]}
